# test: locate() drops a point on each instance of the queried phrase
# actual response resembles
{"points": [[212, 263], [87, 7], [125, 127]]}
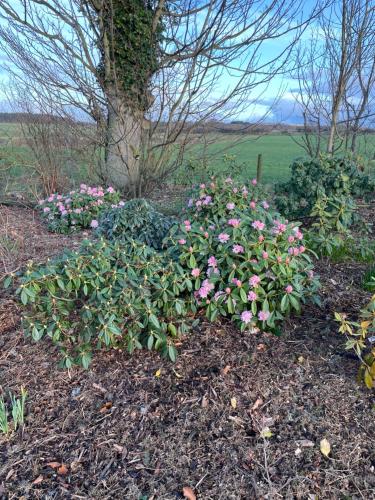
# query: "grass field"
{"points": [[278, 151]]}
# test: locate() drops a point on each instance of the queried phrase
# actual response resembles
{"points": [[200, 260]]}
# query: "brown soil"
{"points": [[119, 431]]}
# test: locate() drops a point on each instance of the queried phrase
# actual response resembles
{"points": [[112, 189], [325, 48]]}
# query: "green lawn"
{"points": [[278, 151]]}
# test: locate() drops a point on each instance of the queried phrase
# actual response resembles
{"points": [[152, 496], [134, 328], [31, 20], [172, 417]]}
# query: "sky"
{"points": [[283, 110]]}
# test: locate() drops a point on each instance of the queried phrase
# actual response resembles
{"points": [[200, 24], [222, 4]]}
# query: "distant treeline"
{"points": [[234, 127]]}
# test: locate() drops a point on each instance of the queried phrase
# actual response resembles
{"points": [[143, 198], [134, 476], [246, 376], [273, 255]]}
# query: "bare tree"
{"points": [[149, 72], [336, 76]]}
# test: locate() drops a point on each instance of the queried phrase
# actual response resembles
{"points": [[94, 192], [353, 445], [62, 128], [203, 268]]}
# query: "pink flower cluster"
{"points": [[257, 224], [205, 289], [234, 222]]}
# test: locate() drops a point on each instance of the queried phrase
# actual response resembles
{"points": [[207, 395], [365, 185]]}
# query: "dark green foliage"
{"points": [[313, 178], [112, 295], [137, 219], [134, 48]]}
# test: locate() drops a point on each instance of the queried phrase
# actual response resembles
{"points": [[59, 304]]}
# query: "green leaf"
{"points": [[24, 297], [172, 353], [154, 321]]}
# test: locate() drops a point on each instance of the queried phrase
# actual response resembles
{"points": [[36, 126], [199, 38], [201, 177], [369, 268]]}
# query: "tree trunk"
{"points": [[123, 145]]}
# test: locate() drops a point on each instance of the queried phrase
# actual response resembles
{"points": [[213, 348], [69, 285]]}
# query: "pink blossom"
{"points": [[227, 290], [238, 249], [234, 222], [265, 205], [263, 315], [182, 241], [310, 274], [187, 223], [295, 251], [254, 281], [94, 223], [223, 237], [252, 204], [235, 190], [301, 249], [297, 233], [51, 198], [257, 224], [64, 212], [237, 282], [265, 255], [261, 238], [246, 317], [279, 259], [228, 180], [291, 239], [202, 186], [46, 209], [251, 296], [230, 206], [207, 200], [196, 272], [110, 190], [212, 262], [205, 289], [289, 289], [254, 182], [205, 234], [121, 203]]}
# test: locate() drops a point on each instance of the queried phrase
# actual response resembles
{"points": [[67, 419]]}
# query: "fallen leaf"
{"points": [[261, 347], [38, 480], [118, 448], [300, 359], [158, 373], [225, 370], [325, 447], [188, 493], [257, 403], [99, 388], [107, 406], [74, 466], [266, 432], [54, 465], [63, 469], [233, 403], [204, 403], [177, 374]]}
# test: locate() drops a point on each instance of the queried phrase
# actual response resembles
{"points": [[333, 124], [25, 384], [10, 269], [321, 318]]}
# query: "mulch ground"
{"points": [[119, 431]]}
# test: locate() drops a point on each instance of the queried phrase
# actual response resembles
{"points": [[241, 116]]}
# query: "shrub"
{"points": [[78, 209], [360, 337], [107, 294], [219, 198], [136, 219], [246, 262], [315, 177], [330, 233]]}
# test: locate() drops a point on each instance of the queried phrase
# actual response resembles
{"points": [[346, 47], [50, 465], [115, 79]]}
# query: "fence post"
{"points": [[259, 167]]}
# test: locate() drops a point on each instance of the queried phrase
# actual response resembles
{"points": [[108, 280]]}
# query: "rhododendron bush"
{"points": [[232, 256], [79, 209], [247, 262], [122, 295]]}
